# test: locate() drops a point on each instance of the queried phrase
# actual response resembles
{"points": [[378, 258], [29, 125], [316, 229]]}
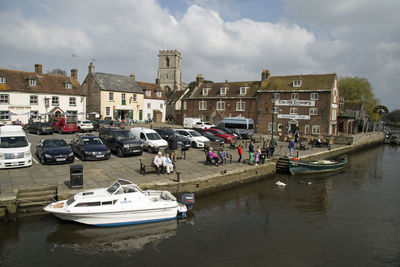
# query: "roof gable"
{"points": [[308, 82], [117, 83], [153, 88]]}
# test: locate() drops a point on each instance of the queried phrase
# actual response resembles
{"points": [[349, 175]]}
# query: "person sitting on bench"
{"points": [[168, 164], [158, 162], [213, 156]]}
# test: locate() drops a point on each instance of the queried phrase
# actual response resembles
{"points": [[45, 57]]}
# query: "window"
{"points": [[54, 101], [134, 97], [32, 82], [2, 80], [222, 90], [167, 62], [296, 83], [4, 99], [46, 102], [68, 85], [33, 100], [240, 106], [72, 101], [313, 111], [123, 99], [275, 95], [159, 94], [148, 116], [315, 129], [202, 105], [110, 96], [280, 127], [307, 129], [184, 105], [202, 117], [161, 105], [148, 105], [314, 96], [271, 126], [205, 91], [293, 110], [4, 116], [148, 92], [221, 105], [294, 96], [243, 90], [275, 110], [34, 114], [108, 109]]}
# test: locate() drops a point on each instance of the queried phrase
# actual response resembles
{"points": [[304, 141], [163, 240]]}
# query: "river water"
{"points": [[350, 218]]}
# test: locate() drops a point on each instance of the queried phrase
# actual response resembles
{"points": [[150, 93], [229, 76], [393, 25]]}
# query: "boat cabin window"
{"points": [[70, 201], [129, 190], [113, 188], [88, 204], [120, 191], [106, 203]]}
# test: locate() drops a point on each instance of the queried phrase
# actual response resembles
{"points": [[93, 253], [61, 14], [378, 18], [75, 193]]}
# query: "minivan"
{"points": [[152, 140], [15, 149]]}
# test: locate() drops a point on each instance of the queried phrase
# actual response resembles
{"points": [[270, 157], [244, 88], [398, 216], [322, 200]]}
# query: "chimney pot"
{"points": [[38, 69], [265, 74], [91, 68], [132, 76], [199, 79], [74, 74]]}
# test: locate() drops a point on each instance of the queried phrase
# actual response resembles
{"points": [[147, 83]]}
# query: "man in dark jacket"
{"points": [[173, 146]]}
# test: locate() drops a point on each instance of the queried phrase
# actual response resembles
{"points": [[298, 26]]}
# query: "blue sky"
{"points": [[222, 39]]}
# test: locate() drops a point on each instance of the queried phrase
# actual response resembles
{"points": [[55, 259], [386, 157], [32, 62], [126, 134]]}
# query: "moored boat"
{"points": [[122, 203], [297, 167]]}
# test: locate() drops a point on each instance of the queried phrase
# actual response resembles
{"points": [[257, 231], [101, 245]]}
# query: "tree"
{"points": [[393, 116], [58, 72], [357, 90]]}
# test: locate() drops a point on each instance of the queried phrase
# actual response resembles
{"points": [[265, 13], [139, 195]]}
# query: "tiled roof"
{"points": [[233, 90], [174, 96], [154, 88], [18, 81], [118, 83], [308, 82]]}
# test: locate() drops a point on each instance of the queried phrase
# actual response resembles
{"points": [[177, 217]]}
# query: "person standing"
{"points": [[158, 162], [240, 153], [291, 146], [173, 146], [251, 152]]}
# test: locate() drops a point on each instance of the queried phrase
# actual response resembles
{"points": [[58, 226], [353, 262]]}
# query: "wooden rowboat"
{"points": [[297, 167]]}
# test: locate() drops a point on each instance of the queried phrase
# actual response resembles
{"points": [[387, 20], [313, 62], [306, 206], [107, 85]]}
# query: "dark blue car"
{"points": [[89, 147], [54, 151]]}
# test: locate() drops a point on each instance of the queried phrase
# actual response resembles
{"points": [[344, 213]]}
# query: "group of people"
{"points": [[255, 156], [219, 157], [163, 164]]}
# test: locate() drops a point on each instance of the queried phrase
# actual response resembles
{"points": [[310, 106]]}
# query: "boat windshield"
{"points": [[70, 201], [113, 188]]}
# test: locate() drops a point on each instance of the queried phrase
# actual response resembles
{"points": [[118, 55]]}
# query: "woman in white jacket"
{"points": [[168, 164]]}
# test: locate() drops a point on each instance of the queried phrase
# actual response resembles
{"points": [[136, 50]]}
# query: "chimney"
{"points": [[226, 81], [132, 76], [199, 79], [91, 68], [264, 75], [74, 74], [38, 69]]}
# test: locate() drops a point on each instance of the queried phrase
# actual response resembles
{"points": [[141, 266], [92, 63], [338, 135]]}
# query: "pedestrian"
{"points": [[240, 153], [251, 153], [291, 146], [158, 162], [272, 145], [173, 146], [296, 137], [168, 165], [258, 155]]}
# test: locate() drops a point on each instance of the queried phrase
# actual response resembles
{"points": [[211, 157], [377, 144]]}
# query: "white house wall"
{"points": [[155, 104]]}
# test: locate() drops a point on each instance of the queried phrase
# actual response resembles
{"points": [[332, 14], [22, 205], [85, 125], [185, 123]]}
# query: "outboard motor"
{"points": [[188, 199]]}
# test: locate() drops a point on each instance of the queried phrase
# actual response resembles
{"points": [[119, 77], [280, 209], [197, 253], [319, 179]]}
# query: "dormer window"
{"points": [[243, 90], [296, 83], [148, 93], [2, 80], [205, 91], [222, 90], [159, 94], [32, 82], [68, 85]]}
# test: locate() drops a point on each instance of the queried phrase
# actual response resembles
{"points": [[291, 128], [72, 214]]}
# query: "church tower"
{"points": [[169, 74]]}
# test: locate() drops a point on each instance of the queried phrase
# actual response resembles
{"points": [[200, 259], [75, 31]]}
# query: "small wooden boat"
{"points": [[297, 167]]}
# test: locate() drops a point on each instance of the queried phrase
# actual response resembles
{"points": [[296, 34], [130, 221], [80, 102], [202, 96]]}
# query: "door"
{"points": [[292, 128], [140, 115]]}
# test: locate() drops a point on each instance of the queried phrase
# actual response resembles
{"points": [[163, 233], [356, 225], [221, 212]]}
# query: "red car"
{"points": [[221, 133]]}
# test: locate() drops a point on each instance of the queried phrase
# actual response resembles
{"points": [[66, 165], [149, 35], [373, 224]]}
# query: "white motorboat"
{"points": [[122, 203]]}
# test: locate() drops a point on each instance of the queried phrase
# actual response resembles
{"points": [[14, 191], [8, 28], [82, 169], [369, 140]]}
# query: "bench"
{"points": [[224, 160], [216, 145], [146, 165]]}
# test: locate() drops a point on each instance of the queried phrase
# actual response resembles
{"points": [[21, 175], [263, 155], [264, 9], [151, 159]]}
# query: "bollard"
{"points": [[178, 177]]}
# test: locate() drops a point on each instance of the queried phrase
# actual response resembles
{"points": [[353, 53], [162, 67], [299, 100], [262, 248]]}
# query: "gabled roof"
{"points": [[117, 83], [173, 96], [18, 81], [233, 90], [308, 82], [153, 88]]}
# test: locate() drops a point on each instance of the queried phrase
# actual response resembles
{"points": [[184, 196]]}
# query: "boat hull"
{"points": [[302, 167]]}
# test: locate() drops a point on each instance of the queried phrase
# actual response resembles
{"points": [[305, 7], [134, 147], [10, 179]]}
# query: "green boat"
{"points": [[297, 167]]}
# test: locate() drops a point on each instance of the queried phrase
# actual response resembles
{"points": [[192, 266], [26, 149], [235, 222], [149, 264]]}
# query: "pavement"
{"points": [[103, 173]]}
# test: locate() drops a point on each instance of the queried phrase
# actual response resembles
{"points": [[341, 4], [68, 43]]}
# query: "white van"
{"points": [[152, 140], [197, 139], [15, 149], [190, 122]]}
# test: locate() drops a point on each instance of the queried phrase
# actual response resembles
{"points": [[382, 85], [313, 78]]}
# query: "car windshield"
{"points": [[222, 131], [13, 142], [54, 143], [86, 122], [120, 135], [91, 141], [43, 124], [194, 133], [153, 136]]}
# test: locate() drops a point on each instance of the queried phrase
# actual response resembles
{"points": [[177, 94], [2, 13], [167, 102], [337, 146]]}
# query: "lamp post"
{"points": [[272, 114]]}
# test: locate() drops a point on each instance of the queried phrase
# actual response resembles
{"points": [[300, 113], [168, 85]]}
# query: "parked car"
{"points": [[114, 123], [65, 124], [54, 151], [97, 124], [41, 128], [203, 125], [168, 133], [195, 137], [152, 140], [212, 137], [229, 131], [220, 133], [190, 122], [15, 149], [85, 126], [90, 147], [121, 141]]}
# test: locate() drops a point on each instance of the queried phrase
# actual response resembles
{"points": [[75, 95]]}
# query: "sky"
{"points": [[222, 39]]}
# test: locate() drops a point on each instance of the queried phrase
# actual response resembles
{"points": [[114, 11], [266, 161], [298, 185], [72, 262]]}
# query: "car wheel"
{"points": [[42, 160], [149, 149], [194, 145], [37, 132], [83, 156], [119, 152]]}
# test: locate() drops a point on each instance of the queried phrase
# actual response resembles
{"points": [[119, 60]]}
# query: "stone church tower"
{"points": [[169, 75]]}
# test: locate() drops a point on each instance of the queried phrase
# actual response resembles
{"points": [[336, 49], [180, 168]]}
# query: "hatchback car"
{"points": [[85, 126], [121, 141], [212, 137], [41, 128], [229, 131], [54, 151], [168, 133], [194, 136], [203, 125], [220, 133], [89, 147]]}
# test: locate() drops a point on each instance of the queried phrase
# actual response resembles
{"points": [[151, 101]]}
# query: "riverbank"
{"points": [[195, 176]]}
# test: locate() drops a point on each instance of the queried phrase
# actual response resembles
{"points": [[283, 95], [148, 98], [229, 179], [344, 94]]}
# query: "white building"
{"points": [[35, 95], [154, 102]]}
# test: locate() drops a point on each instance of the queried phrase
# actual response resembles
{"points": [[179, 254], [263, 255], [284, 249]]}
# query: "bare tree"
{"points": [[58, 72]]}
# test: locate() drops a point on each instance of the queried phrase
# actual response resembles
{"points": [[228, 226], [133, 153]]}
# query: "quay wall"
{"points": [[218, 181]]}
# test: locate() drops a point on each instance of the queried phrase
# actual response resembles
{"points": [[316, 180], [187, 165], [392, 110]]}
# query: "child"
{"points": [[258, 155], [240, 153]]}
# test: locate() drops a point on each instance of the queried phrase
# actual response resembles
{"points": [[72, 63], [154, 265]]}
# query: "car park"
{"points": [[85, 126], [152, 140], [213, 138], [220, 133], [121, 141], [54, 151], [195, 137], [40, 128], [203, 125], [90, 147], [168, 133]]}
